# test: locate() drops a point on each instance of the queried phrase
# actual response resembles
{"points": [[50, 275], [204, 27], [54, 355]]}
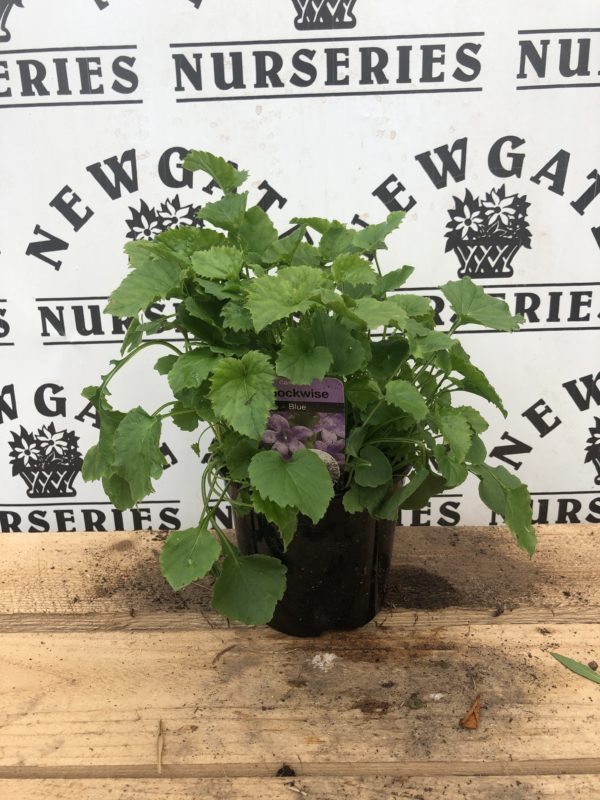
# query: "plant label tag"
{"points": [[310, 416]]}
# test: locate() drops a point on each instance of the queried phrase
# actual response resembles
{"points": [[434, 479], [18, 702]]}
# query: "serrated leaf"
{"points": [[227, 213], [249, 588], [373, 237], [165, 364], [218, 263], [188, 240], [316, 223], [389, 509], [407, 397], [454, 472], [347, 352], [431, 486], [242, 392], [188, 555], [456, 431], [133, 335], [221, 171], [119, 492], [274, 297], [238, 452], [577, 667], [471, 304], [477, 452], [474, 381], [282, 250], [236, 317], [336, 240], [362, 391], [257, 233], [388, 356], [137, 455], [153, 279], [393, 280], [99, 458], [377, 313], [424, 342], [191, 369], [517, 516], [363, 498], [283, 517], [474, 418], [185, 418], [300, 359], [376, 471], [303, 482], [350, 268]]}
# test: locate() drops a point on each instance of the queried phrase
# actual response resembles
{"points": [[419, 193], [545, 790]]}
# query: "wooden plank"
{"points": [[478, 570], [236, 701], [555, 787]]}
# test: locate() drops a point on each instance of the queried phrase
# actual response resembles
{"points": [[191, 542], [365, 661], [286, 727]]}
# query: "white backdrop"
{"points": [[350, 112]]}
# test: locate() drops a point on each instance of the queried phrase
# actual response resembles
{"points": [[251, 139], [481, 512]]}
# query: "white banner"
{"points": [[482, 123]]}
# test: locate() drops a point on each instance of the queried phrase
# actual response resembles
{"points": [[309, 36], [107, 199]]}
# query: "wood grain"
{"points": [[479, 570], [95, 650], [448, 788]]}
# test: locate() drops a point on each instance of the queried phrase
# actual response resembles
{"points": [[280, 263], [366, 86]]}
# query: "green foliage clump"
{"points": [[250, 306]]}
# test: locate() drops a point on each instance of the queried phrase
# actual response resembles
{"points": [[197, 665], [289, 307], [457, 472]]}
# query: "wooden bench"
{"points": [[111, 686]]}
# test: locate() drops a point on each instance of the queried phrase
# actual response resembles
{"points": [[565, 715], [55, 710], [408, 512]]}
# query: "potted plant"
{"points": [[331, 399]]}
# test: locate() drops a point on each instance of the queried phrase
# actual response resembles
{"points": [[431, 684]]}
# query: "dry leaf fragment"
{"points": [[471, 718]]}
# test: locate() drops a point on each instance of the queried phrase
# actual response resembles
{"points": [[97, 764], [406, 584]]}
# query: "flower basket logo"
{"points": [[486, 233], [146, 222], [6, 6], [48, 461], [317, 15], [592, 451]]}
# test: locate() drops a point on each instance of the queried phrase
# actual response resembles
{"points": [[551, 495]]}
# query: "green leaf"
{"points": [[277, 296], [406, 397], [471, 304], [236, 317], [504, 493], [227, 213], [187, 240], [119, 491], [242, 392], [221, 171], [300, 359], [377, 313], [456, 431], [238, 452], [303, 482], [98, 460], [133, 336], [137, 455], [355, 441], [389, 509], [577, 667], [432, 485], [337, 239], [474, 418], [153, 279], [423, 342], [282, 251], [185, 418], [257, 233], [188, 555], [348, 353], [364, 498], [373, 237], [316, 223], [218, 263], [388, 356], [165, 364], [283, 517], [454, 472], [362, 391], [393, 280], [376, 471], [417, 307], [518, 518], [249, 588], [477, 452], [350, 268], [190, 369], [474, 381]]}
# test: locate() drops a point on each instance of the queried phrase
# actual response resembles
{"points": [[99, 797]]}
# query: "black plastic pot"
{"points": [[337, 569]]}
